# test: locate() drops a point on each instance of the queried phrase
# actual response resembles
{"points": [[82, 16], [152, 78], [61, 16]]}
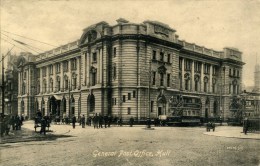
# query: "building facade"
{"points": [[128, 70]]}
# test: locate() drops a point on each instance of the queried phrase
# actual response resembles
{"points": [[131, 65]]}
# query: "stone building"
{"points": [[108, 69]]}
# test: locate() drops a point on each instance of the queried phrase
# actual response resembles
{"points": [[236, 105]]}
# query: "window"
{"points": [[66, 82], [152, 103], [154, 55], [187, 83], [187, 64], [74, 64], [214, 70], [206, 68], [161, 79], [94, 77], [123, 98], [94, 57], [180, 64], [129, 96], [44, 71], [51, 69], [197, 66], [134, 94], [161, 56], [58, 68], [154, 76], [114, 52], [38, 73], [237, 73], [51, 85], [229, 72], [44, 86], [65, 66], [115, 101], [234, 72], [128, 110], [169, 58], [230, 86], [114, 71], [205, 84], [168, 80], [58, 83], [74, 81], [196, 85], [24, 75]]}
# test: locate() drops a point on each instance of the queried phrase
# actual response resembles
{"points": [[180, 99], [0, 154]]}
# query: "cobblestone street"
{"points": [[128, 146]]}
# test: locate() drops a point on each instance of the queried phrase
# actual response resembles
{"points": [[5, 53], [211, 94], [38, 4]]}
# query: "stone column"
{"points": [[84, 65], [87, 69], [182, 74], [78, 72], [192, 77], [210, 78], [48, 78], [41, 88], [20, 83], [54, 77], [202, 78], [61, 77]]}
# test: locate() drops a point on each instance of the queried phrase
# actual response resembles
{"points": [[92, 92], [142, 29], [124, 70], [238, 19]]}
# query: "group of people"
{"points": [[10, 122]]}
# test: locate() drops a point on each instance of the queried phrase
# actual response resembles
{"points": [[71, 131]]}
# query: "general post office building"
{"points": [[108, 71]]}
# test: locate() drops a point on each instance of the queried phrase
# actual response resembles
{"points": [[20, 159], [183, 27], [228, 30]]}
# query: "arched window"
{"points": [[58, 83], [22, 107], [66, 83], [74, 81], [196, 80], [38, 88], [206, 84], [44, 86], [91, 103], [214, 82], [51, 85], [187, 81], [72, 105]]}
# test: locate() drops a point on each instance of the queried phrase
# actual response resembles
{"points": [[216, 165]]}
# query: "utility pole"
{"points": [[3, 86]]}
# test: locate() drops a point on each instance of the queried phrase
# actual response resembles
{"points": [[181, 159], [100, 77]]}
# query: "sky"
{"points": [[211, 23]]}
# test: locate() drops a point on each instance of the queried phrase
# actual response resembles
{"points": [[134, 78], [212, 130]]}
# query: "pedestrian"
{"points": [[120, 121], [80, 118], [131, 121], [95, 121], [74, 121], [246, 125], [106, 121], [83, 121], [101, 121], [43, 126], [109, 120]]}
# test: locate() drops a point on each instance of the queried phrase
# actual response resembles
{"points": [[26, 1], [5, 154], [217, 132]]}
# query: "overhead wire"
{"points": [[29, 38]]}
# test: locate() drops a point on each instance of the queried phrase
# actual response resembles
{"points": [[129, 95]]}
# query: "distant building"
{"points": [[11, 85], [257, 78], [109, 69]]}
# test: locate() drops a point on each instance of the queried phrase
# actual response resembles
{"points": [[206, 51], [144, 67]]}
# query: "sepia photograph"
{"points": [[129, 82]]}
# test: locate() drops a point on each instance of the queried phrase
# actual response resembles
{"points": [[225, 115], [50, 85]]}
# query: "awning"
{"points": [[57, 97]]}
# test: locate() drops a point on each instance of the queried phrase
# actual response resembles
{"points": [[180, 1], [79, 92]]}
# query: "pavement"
{"points": [[61, 130], [232, 132]]}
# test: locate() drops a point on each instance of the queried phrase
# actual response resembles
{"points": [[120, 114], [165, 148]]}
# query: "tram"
{"points": [[184, 110]]}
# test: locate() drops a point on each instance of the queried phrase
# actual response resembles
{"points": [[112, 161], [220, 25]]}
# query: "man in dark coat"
{"points": [[131, 121], [43, 125], [74, 122], [101, 121], [83, 121]]}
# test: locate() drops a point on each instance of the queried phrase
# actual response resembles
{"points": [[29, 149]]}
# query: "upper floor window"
{"points": [[197, 66], [24, 75], [114, 71], [180, 63], [154, 55], [206, 68], [161, 56], [169, 58], [214, 70], [129, 96], [161, 79], [65, 66], [114, 52], [74, 64], [168, 80], [94, 57], [123, 98], [44, 71], [38, 73], [134, 94], [237, 73], [154, 77], [51, 69], [57, 67], [234, 72], [187, 64]]}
